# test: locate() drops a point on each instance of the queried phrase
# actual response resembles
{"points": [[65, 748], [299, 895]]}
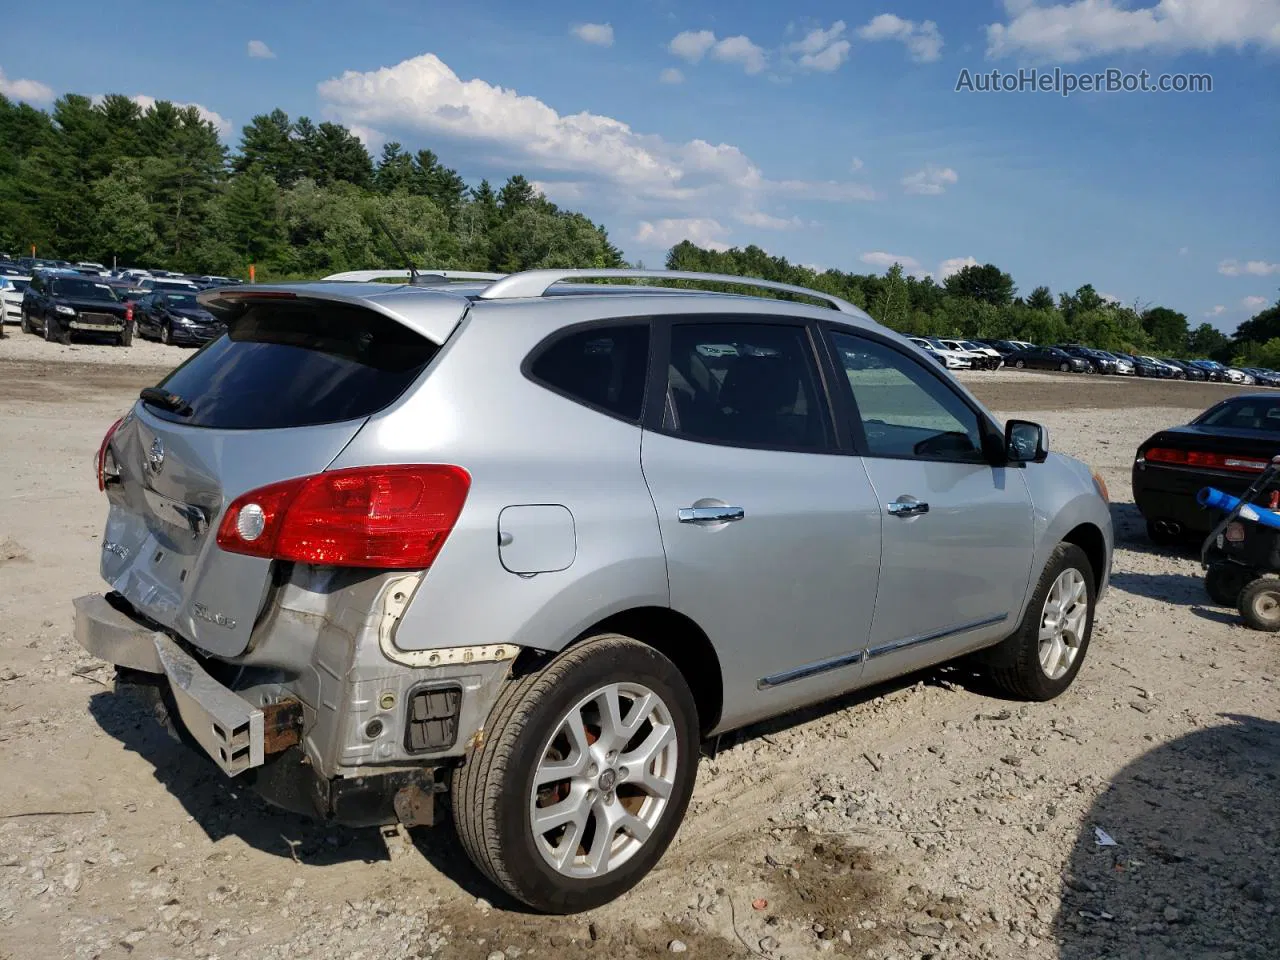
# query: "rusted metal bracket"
{"points": [[281, 726]]}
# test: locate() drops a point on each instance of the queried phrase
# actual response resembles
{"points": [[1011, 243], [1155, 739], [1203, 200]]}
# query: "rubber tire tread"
{"points": [[1018, 672], [477, 786]]}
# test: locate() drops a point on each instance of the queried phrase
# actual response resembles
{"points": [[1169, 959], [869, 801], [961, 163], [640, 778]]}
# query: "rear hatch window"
{"points": [[296, 363]]}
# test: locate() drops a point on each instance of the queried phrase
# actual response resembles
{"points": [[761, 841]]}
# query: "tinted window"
{"points": [[181, 300], [744, 384], [1244, 414], [603, 367], [905, 410], [287, 364]]}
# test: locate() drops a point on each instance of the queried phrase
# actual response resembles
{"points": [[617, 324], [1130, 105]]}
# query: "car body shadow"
{"points": [[1195, 866], [1130, 530], [1182, 589], [223, 806]]}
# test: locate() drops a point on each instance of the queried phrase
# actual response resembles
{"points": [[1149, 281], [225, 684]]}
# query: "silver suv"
{"points": [[529, 541]]}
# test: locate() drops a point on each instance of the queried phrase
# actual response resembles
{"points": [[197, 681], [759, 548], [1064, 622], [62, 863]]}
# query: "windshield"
{"points": [[83, 289], [970, 345], [187, 300]]}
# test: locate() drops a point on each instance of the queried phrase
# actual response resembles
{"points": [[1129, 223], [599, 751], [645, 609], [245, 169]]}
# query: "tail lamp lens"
{"points": [[1211, 461], [389, 517], [104, 450]]}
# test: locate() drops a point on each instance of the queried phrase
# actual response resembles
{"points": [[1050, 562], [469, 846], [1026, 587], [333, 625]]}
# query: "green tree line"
{"points": [[982, 301], [108, 181]]}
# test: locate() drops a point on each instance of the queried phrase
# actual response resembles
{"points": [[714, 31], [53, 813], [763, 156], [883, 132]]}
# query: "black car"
{"points": [[1225, 447], [1098, 361], [1189, 371], [1145, 368], [1046, 358], [175, 316], [1263, 378], [62, 304]]}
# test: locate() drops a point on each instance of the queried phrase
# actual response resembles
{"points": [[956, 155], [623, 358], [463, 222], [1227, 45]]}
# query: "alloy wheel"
{"points": [[1062, 623], [603, 780]]}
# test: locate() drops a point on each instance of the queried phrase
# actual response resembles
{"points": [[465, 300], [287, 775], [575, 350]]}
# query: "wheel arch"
{"points": [[1091, 540], [680, 640]]}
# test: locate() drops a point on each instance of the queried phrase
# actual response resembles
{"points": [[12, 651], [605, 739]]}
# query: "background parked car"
{"points": [[1263, 378], [1098, 361], [61, 304], [950, 359], [1225, 447], [173, 316], [1047, 358], [152, 284], [1124, 366], [1213, 370], [1188, 371], [11, 291], [980, 356]]}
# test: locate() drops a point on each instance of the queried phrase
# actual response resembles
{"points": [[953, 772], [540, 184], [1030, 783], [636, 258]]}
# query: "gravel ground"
{"points": [[927, 818]]}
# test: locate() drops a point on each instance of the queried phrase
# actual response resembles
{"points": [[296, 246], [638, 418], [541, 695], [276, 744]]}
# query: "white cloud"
{"points": [[1254, 303], [855, 164], [1183, 251], [671, 75], [599, 34], [615, 168], [922, 40], [1067, 32], [1256, 268], [930, 181], [954, 265], [742, 51], [220, 123], [882, 260], [1217, 311], [32, 91], [1108, 297], [693, 45], [703, 231], [765, 221], [260, 50], [822, 50]]}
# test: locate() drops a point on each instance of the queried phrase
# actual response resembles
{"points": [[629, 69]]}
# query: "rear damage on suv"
{"points": [[255, 592]]}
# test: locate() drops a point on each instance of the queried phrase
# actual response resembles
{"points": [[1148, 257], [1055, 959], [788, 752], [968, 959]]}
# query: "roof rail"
{"points": [[535, 283], [429, 276]]}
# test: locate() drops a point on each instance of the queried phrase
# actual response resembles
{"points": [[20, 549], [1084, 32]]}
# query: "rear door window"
{"points": [[297, 363], [745, 385]]}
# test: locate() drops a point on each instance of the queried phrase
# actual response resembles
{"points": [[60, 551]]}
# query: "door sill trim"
{"points": [[809, 670], [908, 642]]}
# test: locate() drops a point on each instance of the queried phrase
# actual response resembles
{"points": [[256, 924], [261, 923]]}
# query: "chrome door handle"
{"points": [[908, 508], [710, 514]]}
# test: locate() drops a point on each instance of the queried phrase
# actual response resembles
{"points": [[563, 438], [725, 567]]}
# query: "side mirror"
{"points": [[1025, 442]]}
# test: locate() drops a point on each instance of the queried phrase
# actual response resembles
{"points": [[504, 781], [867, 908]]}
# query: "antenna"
{"points": [[413, 273]]}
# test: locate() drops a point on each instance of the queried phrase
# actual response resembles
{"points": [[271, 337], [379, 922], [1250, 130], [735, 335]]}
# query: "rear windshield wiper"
{"points": [[165, 401]]}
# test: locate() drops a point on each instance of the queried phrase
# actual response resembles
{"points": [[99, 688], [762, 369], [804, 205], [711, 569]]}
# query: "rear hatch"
{"points": [[278, 396]]}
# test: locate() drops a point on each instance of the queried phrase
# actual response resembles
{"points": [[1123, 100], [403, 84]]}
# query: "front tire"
{"points": [[1020, 364], [25, 325], [1260, 604], [1041, 660], [165, 336], [1064, 367], [582, 777]]}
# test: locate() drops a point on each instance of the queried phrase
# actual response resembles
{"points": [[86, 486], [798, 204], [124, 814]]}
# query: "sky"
{"points": [[833, 134]]}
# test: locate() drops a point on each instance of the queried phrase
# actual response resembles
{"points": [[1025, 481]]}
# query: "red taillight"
{"points": [[394, 517], [128, 313], [102, 454], [1211, 461]]}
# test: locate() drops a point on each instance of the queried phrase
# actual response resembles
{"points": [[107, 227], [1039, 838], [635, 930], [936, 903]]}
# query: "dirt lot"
{"points": [[926, 819]]}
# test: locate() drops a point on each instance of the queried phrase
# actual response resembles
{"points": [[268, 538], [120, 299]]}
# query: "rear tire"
{"points": [[1064, 367], [25, 324], [1041, 660], [165, 337], [1224, 582], [126, 338], [1020, 364], [549, 722], [1260, 604]]}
